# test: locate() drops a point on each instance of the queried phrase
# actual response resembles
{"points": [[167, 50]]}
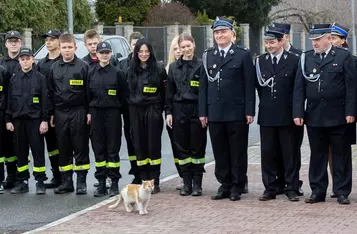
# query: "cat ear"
{"points": [[143, 181]]}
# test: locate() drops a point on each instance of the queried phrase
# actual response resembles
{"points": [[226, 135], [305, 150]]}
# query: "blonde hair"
{"points": [[172, 58]]}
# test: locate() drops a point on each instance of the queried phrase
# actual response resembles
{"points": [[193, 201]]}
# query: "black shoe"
{"points": [[101, 190], [333, 195], [300, 192], [54, 183], [81, 185], [280, 191], [343, 200], [114, 188], [136, 180], [246, 190], [292, 196], [267, 197], [66, 185], [156, 189], [187, 184], [9, 182], [20, 187], [107, 184], [314, 199], [185, 191], [220, 195], [234, 197], [197, 184], [40, 188]]}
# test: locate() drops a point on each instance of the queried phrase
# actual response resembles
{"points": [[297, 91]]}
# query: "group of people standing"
{"points": [[69, 100]]}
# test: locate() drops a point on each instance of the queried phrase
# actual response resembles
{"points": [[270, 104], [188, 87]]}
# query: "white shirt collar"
{"points": [[225, 49], [288, 49], [328, 50], [278, 56]]}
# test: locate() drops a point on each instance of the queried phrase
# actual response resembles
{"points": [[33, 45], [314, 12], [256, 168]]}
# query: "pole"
{"points": [[70, 16], [353, 28]]}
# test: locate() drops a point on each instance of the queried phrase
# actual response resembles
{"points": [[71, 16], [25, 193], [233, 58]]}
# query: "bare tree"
{"points": [[307, 12]]}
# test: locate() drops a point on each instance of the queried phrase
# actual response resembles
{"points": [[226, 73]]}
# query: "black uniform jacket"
{"points": [[12, 65], [125, 63], [88, 59], [4, 84], [232, 96], [295, 50], [146, 88], [27, 97], [182, 82], [67, 84], [331, 98], [107, 87], [45, 64], [275, 104]]}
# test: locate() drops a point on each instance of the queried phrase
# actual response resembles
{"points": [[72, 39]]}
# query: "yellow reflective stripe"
{"points": [[198, 160], [195, 83], [176, 160], [53, 153], [1, 88], [23, 168], [185, 161], [11, 159], [82, 167], [76, 82], [35, 100], [143, 162], [39, 169], [101, 164], [66, 168], [113, 164], [150, 90], [132, 158], [112, 92], [2, 159], [155, 162]]}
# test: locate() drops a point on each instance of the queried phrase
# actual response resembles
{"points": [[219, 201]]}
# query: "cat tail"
{"points": [[120, 199]]}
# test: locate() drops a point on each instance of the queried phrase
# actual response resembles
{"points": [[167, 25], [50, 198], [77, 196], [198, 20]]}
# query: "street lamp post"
{"points": [[70, 16]]}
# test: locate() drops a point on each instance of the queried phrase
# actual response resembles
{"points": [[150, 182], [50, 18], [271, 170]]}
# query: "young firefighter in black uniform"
{"points": [[106, 93], [11, 62], [67, 84], [227, 104], [124, 110], [44, 66], [27, 115], [299, 130], [182, 116], [276, 72], [4, 82], [326, 79], [147, 94]]}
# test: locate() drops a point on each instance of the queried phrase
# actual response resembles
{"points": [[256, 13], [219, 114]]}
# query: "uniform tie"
{"points": [[222, 55], [275, 63], [323, 55]]}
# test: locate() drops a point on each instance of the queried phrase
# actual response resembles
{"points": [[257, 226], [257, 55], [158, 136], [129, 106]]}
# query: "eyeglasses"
{"points": [[104, 52]]}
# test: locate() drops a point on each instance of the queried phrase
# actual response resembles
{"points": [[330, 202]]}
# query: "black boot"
{"points": [[40, 188], [137, 179], [187, 184], [66, 185], [114, 188], [246, 190], [197, 184], [20, 187], [156, 183], [55, 181], [81, 182], [102, 189], [10, 180]]}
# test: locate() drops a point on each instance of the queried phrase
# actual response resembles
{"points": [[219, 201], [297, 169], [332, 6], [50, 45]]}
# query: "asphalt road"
{"points": [[19, 213]]}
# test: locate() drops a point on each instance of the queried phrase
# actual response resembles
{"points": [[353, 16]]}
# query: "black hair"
{"points": [[135, 64]]}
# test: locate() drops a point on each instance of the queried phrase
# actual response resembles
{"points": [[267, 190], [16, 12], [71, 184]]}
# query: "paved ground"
{"points": [[171, 213]]}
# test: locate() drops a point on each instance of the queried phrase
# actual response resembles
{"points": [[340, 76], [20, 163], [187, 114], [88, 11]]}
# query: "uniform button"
{"points": [[322, 71], [274, 90], [322, 99], [217, 99], [220, 79], [221, 70], [322, 90]]}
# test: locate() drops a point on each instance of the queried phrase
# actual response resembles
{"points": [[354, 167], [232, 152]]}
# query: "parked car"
{"points": [[120, 47]]}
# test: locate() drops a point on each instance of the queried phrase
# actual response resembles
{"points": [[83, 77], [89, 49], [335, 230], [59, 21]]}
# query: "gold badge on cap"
{"points": [[314, 70], [214, 65]]}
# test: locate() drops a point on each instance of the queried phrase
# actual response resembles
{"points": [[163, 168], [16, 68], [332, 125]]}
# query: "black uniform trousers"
{"points": [[230, 144], [2, 157], [147, 125], [174, 150], [52, 149], [9, 152], [72, 134], [299, 136], [190, 138], [106, 141], [320, 138], [283, 139], [27, 134], [130, 147]]}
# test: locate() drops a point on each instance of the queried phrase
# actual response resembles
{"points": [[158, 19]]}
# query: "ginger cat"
{"points": [[135, 194]]}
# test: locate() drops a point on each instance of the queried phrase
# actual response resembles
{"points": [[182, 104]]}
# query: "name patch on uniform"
{"points": [[76, 82], [0, 88], [149, 90], [195, 83], [35, 100], [112, 92]]}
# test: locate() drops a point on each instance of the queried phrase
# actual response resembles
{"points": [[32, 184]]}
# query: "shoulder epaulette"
{"points": [[341, 48], [242, 47], [209, 49], [293, 53]]}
